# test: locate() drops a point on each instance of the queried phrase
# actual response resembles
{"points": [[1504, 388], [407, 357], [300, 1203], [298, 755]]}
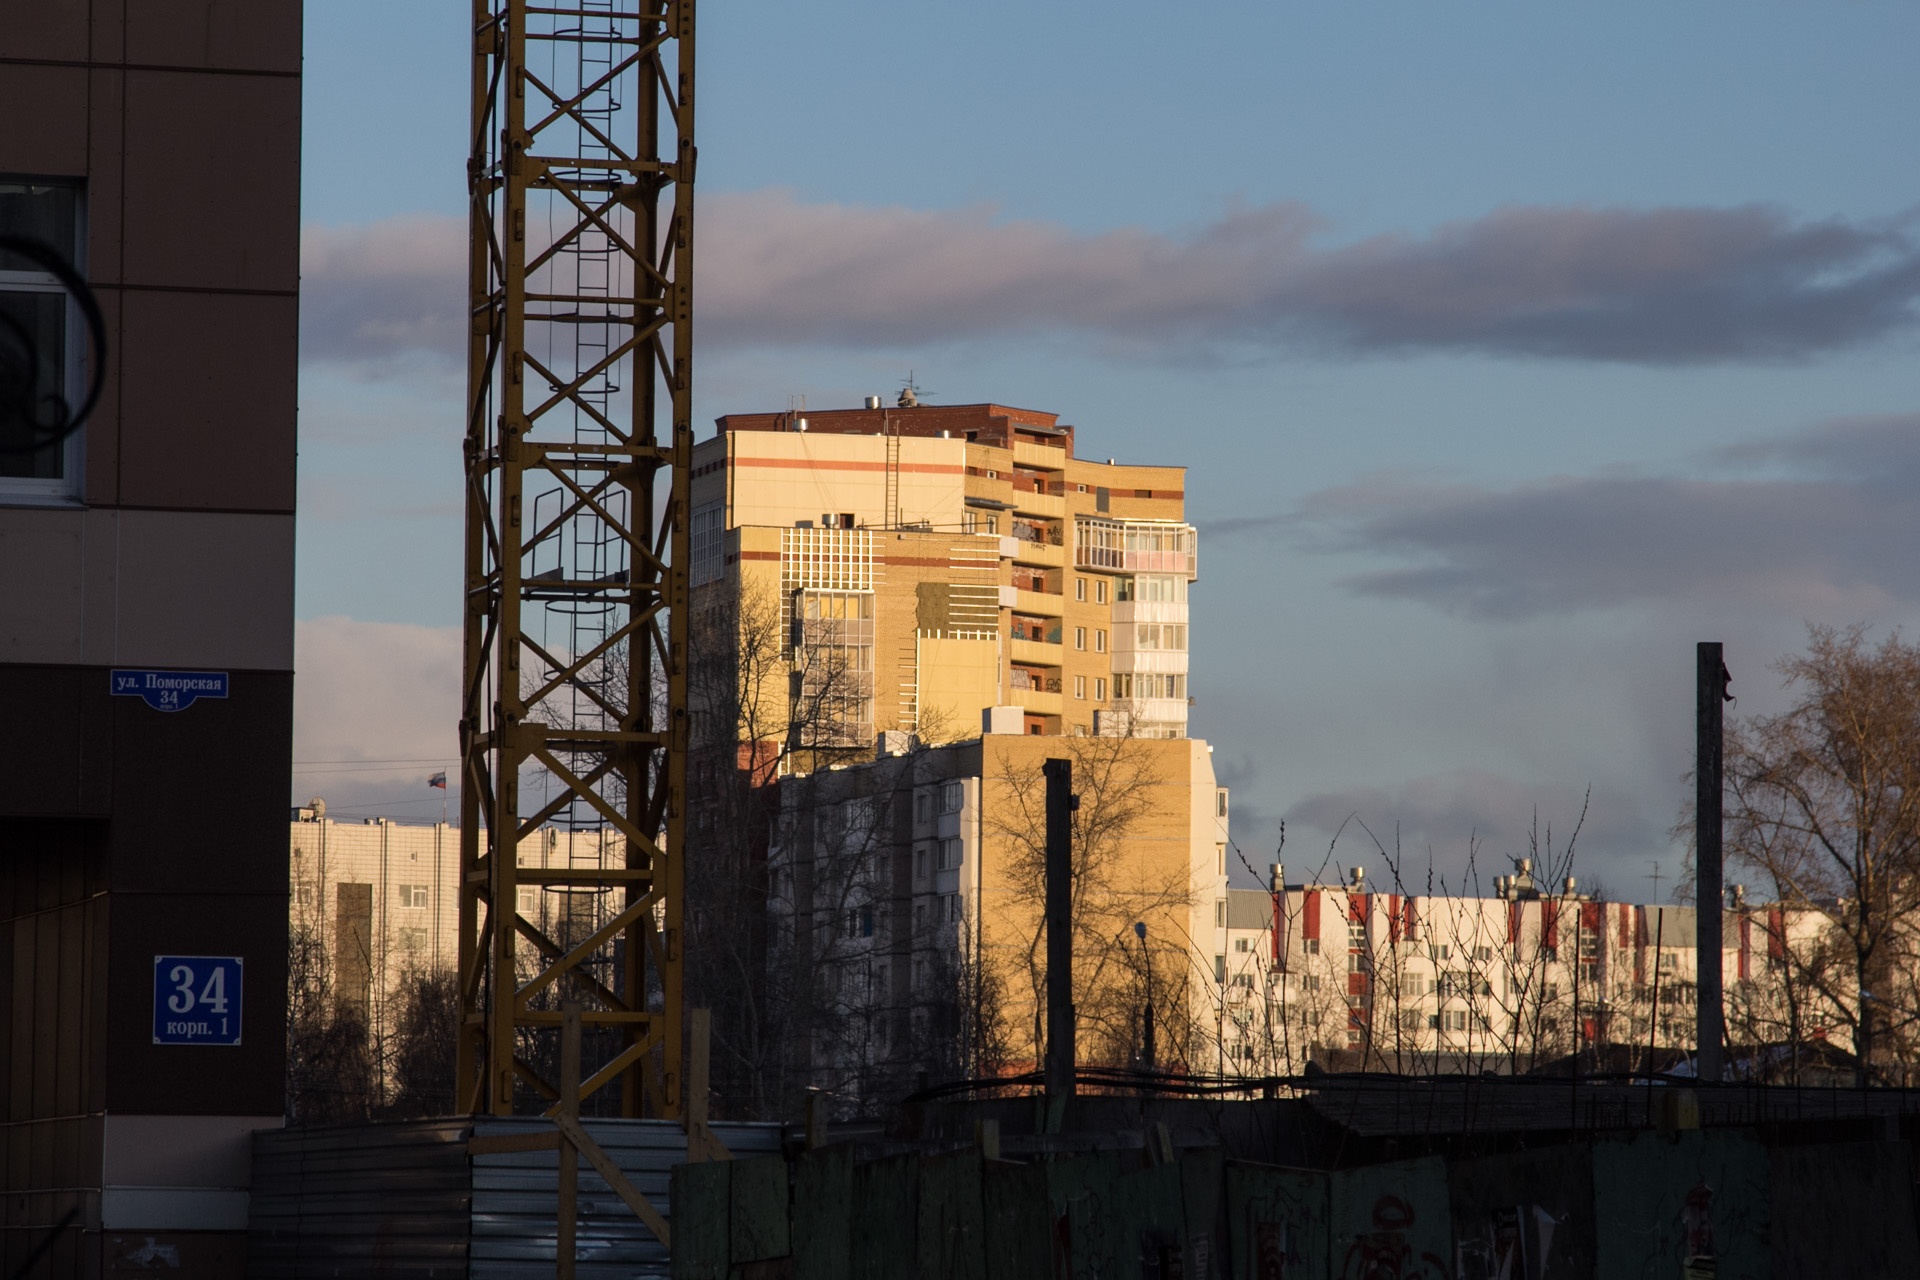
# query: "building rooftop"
{"points": [[990, 424]]}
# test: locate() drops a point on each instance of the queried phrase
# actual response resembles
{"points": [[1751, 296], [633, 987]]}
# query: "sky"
{"points": [[1512, 349]]}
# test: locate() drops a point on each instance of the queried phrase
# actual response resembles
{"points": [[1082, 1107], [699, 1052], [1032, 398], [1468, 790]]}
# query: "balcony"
{"points": [[1041, 630], [1136, 546], [1031, 503], [1038, 701], [1041, 457], [1039, 652], [1052, 606]]}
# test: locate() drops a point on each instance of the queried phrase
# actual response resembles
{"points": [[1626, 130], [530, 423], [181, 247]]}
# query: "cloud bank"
{"points": [[1664, 286], [1809, 523], [375, 709], [1465, 810]]}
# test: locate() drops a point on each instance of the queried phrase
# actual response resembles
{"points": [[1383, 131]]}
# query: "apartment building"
{"points": [[905, 896], [1353, 977], [374, 902], [146, 623], [925, 562]]}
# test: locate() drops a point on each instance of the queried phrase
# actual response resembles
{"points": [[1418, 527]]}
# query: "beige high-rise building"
{"points": [[928, 562]]}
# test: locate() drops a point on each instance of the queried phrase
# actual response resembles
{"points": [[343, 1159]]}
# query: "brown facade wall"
{"points": [[125, 832]]}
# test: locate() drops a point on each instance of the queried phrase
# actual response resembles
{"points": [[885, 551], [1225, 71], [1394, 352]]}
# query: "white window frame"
{"points": [[69, 488]]}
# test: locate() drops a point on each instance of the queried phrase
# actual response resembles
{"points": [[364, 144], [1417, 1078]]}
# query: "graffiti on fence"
{"points": [[1384, 1253], [1514, 1244]]}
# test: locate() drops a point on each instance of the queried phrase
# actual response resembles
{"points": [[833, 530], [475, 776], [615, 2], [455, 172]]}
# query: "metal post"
{"points": [[1060, 1048], [1710, 686], [567, 1173]]}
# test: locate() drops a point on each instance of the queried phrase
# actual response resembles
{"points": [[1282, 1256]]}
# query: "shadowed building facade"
{"points": [[156, 146]]}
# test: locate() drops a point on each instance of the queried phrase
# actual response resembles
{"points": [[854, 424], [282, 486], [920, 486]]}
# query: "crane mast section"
{"points": [[578, 455]]}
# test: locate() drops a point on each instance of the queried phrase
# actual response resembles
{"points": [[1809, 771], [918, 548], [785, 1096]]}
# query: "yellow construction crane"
{"points": [[578, 462]]}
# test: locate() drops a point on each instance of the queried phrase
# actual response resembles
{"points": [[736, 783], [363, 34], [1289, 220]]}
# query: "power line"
{"points": [[386, 760]]}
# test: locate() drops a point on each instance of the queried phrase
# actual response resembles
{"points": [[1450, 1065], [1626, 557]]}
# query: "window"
{"points": [[993, 524], [920, 864], [969, 522], [1357, 935], [1313, 946], [1099, 689], [919, 916], [1244, 980], [1079, 488], [1099, 590], [1080, 637], [950, 853], [1219, 913], [1099, 641], [412, 939], [413, 896], [709, 543], [1123, 588], [1357, 962], [1157, 635], [1079, 588], [303, 894], [1079, 686], [1442, 951], [1483, 953], [923, 807], [1310, 982], [1240, 944], [952, 794], [953, 911], [35, 300], [1219, 968], [529, 898]]}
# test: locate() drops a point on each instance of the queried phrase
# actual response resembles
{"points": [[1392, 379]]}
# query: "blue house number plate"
{"points": [[196, 999]]}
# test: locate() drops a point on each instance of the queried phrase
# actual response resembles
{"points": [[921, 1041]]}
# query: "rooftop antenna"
{"points": [[910, 393], [1654, 876]]}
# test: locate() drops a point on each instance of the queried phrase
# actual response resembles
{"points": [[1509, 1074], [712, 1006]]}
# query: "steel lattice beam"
{"points": [[575, 645]]}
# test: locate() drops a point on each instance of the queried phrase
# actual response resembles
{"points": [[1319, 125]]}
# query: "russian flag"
{"points": [[438, 780]]}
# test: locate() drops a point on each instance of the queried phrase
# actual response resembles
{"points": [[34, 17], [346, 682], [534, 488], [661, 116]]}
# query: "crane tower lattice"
{"points": [[578, 456]]}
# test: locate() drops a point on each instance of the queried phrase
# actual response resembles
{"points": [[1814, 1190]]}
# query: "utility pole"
{"points": [[1709, 689], [1060, 1048]]}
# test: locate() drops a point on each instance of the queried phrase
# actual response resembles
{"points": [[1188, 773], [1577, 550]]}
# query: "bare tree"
{"points": [[798, 925], [331, 1070], [1116, 974], [1823, 806], [421, 1046]]}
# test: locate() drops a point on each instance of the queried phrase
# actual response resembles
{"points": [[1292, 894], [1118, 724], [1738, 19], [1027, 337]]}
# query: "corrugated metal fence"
{"points": [[404, 1199], [1693, 1203]]}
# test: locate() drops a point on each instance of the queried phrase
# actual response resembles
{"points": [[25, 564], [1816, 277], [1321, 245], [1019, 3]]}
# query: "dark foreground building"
{"points": [[146, 627]]}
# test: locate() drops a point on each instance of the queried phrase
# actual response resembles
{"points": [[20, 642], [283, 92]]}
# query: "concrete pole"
{"points": [[1060, 1047], [1707, 773]]}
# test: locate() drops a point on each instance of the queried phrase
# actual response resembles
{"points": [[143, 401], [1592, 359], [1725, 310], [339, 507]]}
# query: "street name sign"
{"points": [[169, 690]]}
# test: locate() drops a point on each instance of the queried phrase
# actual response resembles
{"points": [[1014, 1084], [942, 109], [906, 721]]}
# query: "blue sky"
{"points": [[1512, 349]]}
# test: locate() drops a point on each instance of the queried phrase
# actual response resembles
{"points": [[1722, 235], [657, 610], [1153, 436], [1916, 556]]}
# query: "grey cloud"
{"points": [[1659, 286], [383, 293], [1838, 529], [1450, 813]]}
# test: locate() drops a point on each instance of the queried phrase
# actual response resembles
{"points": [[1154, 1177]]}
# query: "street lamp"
{"points": [[1146, 1031]]}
